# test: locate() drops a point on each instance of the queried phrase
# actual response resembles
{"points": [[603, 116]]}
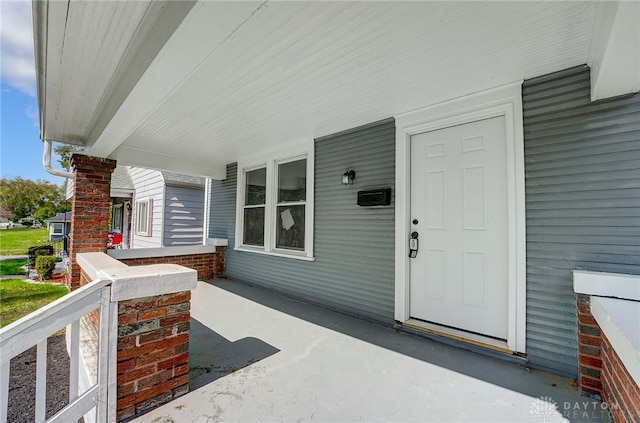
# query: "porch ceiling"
{"points": [[190, 87]]}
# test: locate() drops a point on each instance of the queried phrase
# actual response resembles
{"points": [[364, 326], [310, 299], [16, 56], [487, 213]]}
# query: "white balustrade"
{"points": [[35, 329]]}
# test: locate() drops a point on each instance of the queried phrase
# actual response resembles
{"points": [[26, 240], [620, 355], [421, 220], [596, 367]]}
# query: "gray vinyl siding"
{"points": [[183, 216], [353, 269], [148, 183], [582, 170]]}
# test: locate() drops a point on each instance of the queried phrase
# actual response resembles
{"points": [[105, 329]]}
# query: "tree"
{"points": [[44, 213], [23, 197], [65, 151]]}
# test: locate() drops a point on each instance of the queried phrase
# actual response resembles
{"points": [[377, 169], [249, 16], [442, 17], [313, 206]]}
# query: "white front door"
{"points": [[459, 210]]}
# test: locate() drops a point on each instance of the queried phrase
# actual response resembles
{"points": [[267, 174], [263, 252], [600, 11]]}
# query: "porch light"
{"points": [[348, 177]]}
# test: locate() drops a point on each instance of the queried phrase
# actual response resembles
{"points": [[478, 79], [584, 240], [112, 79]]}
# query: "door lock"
{"points": [[413, 245]]}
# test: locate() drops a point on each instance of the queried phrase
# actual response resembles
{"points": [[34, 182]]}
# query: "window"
{"points": [[290, 206], [57, 228], [116, 221], [143, 217], [274, 215], [254, 207]]}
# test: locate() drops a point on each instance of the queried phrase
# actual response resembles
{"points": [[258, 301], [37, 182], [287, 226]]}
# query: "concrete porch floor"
{"points": [[258, 356]]}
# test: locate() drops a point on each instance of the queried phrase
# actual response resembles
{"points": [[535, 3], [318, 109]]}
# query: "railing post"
{"points": [[106, 358], [4, 390], [74, 359], [41, 380]]}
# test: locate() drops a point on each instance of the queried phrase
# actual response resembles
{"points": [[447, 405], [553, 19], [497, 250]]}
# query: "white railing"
{"points": [[36, 328], [113, 281]]}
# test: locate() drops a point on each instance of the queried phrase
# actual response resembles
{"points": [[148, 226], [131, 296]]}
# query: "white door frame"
{"points": [[501, 101]]}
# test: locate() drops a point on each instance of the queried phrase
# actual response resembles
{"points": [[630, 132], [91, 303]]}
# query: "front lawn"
{"points": [[17, 241], [12, 267], [19, 298]]}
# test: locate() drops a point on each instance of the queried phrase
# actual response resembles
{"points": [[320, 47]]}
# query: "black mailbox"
{"points": [[374, 197]]}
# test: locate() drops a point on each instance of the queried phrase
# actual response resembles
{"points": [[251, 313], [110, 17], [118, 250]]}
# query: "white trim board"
{"points": [[607, 284], [501, 101]]}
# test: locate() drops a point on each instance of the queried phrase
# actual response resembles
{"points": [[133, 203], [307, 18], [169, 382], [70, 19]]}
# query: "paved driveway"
{"points": [[257, 356]]}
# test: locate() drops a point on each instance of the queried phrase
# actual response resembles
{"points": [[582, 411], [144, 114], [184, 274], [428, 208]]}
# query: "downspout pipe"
{"points": [[46, 162]]}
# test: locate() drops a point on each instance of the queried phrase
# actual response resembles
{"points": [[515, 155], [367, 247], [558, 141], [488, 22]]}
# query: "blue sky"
{"points": [[20, 145]]}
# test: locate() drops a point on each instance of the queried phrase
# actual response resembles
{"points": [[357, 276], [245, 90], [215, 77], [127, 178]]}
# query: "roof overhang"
{"points": [[615, 50], [188, 87], [121, 193]]}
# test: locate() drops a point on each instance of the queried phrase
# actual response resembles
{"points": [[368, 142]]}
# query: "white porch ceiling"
{"points": [[191, 87]]}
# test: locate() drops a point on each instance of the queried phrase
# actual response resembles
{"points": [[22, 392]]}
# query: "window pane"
{"points": [[256, 188], [117, 218], [253, 231], [142, 217], [290, 227], [292, 181]]}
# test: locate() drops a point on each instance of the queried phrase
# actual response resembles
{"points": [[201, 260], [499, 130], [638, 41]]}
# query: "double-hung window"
{"points": [[275, 215], [255, 198], [143, 217], [116, 219], [290, 206]]}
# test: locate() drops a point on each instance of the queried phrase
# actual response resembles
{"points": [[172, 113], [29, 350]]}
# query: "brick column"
{"points": [[619, 390], [153, 352], [90, 210], [589, 348]]}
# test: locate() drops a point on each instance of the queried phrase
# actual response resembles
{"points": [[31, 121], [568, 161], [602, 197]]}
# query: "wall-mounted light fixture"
{"points": [[348, 177]]}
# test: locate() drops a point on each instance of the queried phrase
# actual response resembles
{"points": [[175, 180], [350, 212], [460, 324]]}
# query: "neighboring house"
{"points": [[152, 208], [501, 140], [168, 209], [59, 226]]}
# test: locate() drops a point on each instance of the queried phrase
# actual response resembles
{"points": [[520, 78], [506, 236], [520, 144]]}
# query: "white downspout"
{"points": [[46, 162]]}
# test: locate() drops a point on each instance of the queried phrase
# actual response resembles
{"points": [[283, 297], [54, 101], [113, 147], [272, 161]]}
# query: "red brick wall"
{"points": [[602, 371], [208, 266], [153, 352], [89, 210], [589, 361], [619, 390]]}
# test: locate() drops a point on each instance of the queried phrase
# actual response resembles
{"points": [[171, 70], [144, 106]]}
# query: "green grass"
{"points": [[12, 267], [18, 240], [19, 298]]}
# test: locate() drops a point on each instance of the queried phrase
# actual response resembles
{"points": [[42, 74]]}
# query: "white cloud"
{"points": [[16, 35]]}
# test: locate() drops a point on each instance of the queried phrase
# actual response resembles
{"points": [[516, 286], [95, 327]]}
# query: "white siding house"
{"points": [[146, 226], [167, 209]]}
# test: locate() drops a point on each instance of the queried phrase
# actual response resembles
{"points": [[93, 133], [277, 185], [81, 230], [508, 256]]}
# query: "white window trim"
{"points": [[113, 220], [270, 206], [501, 101], [149, 202]]}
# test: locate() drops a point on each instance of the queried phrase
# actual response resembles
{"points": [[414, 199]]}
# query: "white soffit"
{"points": [[79, 68], [238, 78]]}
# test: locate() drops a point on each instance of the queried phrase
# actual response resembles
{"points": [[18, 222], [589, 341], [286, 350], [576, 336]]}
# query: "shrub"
{"points": [[39, 250], [43, 251], [44, 267]]}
